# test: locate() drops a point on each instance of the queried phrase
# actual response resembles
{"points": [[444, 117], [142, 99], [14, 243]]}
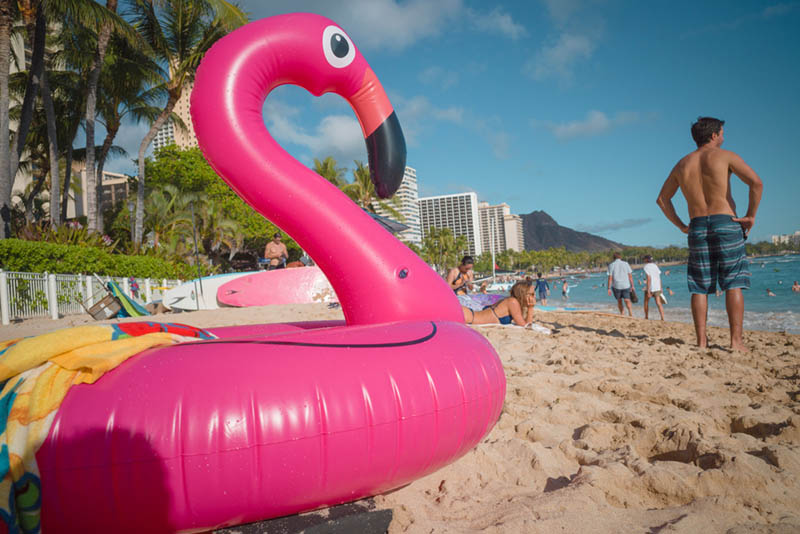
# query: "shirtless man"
{"points": [[460, 278], [276, 253], [716, 234]]}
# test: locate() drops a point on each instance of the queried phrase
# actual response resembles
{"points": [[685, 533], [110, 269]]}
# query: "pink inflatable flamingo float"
{"points": [[271, 420]]}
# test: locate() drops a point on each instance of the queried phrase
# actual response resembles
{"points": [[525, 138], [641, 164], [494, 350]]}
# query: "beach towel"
{"points": [[130, 308], [35, 376]]}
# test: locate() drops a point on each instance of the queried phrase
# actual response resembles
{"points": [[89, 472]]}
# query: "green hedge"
{"points": [[39, 257]]}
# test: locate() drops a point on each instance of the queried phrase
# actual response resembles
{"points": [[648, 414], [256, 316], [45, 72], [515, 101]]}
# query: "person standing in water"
{"points": [[653, 286], [716, 234]]}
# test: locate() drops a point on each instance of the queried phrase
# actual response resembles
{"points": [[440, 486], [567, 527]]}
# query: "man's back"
{"points": [[704, 179]]}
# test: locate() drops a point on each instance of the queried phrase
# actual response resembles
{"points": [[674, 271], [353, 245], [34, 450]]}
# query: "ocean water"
{"points": [[762, 312]]}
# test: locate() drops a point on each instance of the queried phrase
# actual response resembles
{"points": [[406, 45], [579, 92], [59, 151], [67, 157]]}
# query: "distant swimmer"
{"points": [[770, 293], [796, 287], [671, 292], [715, 234], [666, 273]]}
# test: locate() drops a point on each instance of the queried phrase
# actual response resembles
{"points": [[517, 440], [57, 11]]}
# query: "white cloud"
{"points": [[373, 24], [561, 10], [596, 122], [335, 135], [417, 113], [497, 21], [391, 24], [558, 59], [437, 76]]}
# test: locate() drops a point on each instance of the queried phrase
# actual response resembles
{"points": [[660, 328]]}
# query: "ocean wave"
{"points": [[780, 321]]}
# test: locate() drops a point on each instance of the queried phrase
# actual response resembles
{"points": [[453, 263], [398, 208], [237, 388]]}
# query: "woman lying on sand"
{"points": [[518, 308]]}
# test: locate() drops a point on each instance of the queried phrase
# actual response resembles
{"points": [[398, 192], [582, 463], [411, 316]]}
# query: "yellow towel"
{"points": [[36, 374]]}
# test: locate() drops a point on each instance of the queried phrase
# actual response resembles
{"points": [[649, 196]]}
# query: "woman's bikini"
{"points": [[506, 319], [502, 320]]}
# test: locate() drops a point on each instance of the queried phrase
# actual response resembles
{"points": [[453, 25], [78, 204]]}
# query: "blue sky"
{"points": [[579, 108]]}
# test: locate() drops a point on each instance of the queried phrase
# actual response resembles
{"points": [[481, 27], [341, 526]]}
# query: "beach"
{"points": [[610, 424]]}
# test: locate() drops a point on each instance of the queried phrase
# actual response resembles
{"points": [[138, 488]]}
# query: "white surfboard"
{"points": [[199, 294]]}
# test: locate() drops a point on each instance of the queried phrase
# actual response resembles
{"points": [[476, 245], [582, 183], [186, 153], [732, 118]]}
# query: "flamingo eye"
{"points": [[339, 50]]}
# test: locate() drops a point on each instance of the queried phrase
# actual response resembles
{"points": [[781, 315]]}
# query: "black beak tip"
{"points": [[386, 150]]}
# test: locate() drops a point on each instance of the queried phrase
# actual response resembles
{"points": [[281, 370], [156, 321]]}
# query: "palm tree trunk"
{"points": [[111, 132], [151, 134], [28, 201], [6, 181], [92, 183], [68, 172], [52, 138], [36, 34]]}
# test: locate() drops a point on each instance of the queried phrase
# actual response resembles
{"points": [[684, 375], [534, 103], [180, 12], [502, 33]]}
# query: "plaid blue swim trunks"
{"points": [[716, 255]]}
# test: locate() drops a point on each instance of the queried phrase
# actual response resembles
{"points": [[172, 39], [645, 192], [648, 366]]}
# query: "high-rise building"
{"points": [[515, 238], [170, 133], [408, 195], [500, 229], [457, 212]]}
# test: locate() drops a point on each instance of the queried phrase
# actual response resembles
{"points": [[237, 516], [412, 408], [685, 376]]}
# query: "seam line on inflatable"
{"points": [[324, 345]]}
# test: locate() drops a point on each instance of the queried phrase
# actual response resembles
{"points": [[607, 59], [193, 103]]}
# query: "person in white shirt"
{"points": [[653, 287], [620, 282]]}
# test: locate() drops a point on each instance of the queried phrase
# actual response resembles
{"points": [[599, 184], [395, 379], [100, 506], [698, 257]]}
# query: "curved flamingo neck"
{"points": [[376, 277]]}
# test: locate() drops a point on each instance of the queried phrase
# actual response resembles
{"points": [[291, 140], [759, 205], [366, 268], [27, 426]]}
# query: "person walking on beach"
{"points": [[275, 253], [460, 278], [653, 286], [620, 282], [543, 288], [715, 234]]}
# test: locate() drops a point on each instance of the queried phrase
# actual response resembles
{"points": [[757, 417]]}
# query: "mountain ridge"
{"points": [[541, 232]]}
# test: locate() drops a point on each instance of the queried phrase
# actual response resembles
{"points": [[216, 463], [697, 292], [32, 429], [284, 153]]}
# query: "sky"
{"points": [[579, 108]]}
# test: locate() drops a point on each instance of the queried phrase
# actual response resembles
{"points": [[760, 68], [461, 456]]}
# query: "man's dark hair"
{"points": [[539, 275], [704, 128], [617, 255], [466, 260]]}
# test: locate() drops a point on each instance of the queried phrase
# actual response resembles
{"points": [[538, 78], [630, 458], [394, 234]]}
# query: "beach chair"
{"points": [[130, 308], [107, 307]]}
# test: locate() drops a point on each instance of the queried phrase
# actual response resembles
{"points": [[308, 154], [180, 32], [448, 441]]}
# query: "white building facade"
{"points": [[408, 196], [170, 133], [457, 212], [500, 229]]}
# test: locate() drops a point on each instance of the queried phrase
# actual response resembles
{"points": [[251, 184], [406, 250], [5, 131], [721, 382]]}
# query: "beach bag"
{"points": [[634, 298]]}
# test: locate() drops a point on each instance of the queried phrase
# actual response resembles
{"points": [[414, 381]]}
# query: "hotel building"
{"points": [[500, 228], [457, 212], [408, 195], [170, 133]]}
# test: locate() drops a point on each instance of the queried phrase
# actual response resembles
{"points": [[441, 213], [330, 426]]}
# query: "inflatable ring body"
{"points": [[204, 435]]}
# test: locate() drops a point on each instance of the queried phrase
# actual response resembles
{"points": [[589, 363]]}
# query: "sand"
{"points": [[610, 425]]}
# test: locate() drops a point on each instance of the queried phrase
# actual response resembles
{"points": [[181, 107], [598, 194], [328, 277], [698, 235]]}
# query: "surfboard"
{"points": [[663, 298], [281, 286], [199, 294]]}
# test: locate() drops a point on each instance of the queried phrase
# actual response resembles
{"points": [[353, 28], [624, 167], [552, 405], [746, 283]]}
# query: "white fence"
{"points": [[26, 295]]}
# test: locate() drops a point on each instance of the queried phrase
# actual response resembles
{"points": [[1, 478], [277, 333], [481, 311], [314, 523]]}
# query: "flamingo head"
{"points": [[315, 53]]}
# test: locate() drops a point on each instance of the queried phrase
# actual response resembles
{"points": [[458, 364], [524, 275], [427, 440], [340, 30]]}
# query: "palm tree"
{"points": [[327, 169], [179, 33], [441, 248], [35, 15], [362, 191], [128, 89], [7, 15], [164, 213]]}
